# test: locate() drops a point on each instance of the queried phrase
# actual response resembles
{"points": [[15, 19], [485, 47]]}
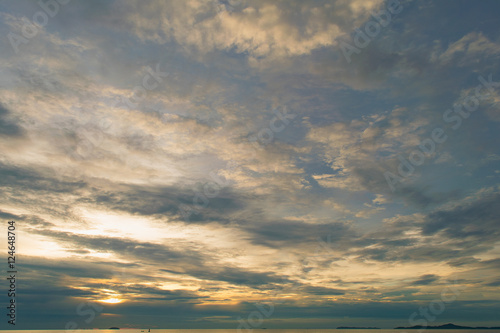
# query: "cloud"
{"points": [[426, 280], [461, 222], [95, 166], [472, 45], [190, 263], [8, 127], [288, 233], [260, 29], [322, 291]]}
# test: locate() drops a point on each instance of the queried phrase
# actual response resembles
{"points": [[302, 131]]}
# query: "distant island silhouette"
{"points": [[357, 328], [113, 328], [448, 326]]}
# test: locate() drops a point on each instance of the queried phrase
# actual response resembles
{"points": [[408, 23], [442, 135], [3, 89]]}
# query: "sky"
{"points": [[248, 164]]}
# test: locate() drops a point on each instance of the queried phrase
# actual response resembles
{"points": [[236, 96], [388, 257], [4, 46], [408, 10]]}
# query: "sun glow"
{"points": [[111, 300]]}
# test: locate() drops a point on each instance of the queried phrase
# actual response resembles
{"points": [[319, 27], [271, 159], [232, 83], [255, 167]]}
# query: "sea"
{"points": [[145, 330]]}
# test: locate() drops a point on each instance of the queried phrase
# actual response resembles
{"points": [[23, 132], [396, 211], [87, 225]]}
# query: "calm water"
{"points": [[254, 331]]}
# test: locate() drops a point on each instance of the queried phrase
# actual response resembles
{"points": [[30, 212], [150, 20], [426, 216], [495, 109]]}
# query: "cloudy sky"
{"points": [[216, 163]]}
